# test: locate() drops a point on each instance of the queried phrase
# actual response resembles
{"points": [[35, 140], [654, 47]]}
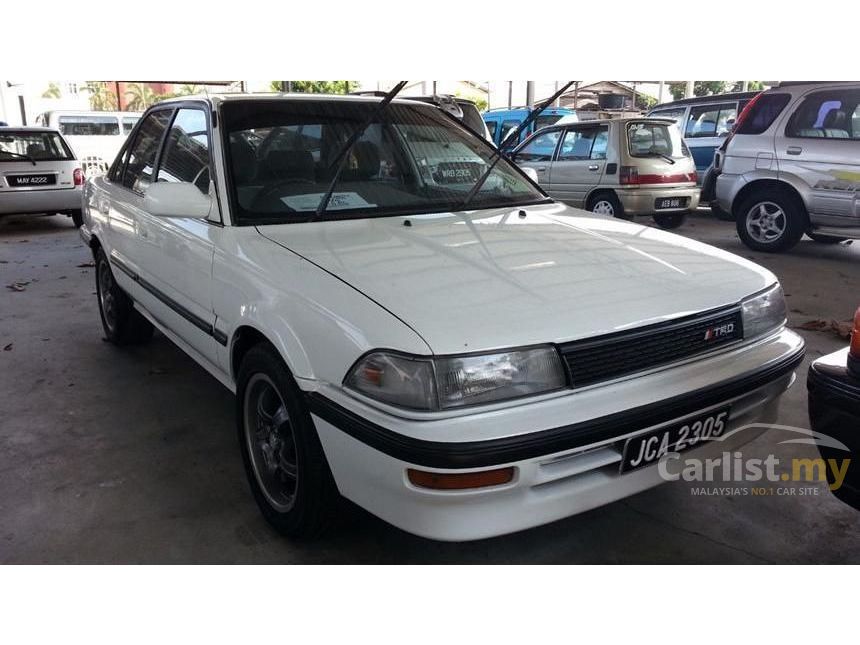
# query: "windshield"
{"points": [[411, 159], [38, 146], [646, 139]]}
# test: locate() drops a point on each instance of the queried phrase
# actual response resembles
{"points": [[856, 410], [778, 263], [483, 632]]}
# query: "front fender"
{"points": [[318, 323]]}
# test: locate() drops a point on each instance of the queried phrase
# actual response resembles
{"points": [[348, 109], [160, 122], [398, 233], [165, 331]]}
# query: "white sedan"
{"points": [[434, 339]]}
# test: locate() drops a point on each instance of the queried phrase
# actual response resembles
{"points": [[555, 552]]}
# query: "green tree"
{"points": [[479, 101], [139, 96], [700, 88], [53, 91], [315, 87], [101, 98], [187, 89], [645, 102]]}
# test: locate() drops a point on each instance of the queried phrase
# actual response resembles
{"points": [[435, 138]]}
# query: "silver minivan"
{"points": [[792, 166], [621, 167]]}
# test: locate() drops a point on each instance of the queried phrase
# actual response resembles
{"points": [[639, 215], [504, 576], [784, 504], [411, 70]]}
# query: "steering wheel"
{"points": [[271, 189]]}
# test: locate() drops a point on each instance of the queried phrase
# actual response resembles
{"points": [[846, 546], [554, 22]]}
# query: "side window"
{"points": [[831, 114], [601, 142], [540, 148], [141, 157], [671, 113], [115, 172], [128, 124], [710, 120], [762, 112], [507, 126], [186, 151], [491, 126], [577, 144]]}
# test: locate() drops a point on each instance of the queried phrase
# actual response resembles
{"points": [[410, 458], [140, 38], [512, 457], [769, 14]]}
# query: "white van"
{"points": [[95, 137]]}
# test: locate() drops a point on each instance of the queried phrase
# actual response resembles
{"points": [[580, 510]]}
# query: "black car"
{"points": [[834, 410]]}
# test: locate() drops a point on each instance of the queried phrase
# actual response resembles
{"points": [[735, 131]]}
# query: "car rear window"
{"points": [[761, 113], [646, 139], [36, 146]]}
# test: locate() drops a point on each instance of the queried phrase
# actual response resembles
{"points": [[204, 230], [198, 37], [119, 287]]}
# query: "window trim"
{"points": [[789, 121]]}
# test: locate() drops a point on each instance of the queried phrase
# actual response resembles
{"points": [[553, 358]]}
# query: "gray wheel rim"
{"points": [[271, 443], [766, 222], [107, 301], [603, 207]]}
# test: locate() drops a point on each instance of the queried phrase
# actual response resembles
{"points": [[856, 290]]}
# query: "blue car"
{"points": [[704, 122], [502, 120]]}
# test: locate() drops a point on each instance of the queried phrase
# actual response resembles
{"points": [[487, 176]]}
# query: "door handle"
{"points": [[794, 150], [594, 167], [104, 207], [541, 169]]}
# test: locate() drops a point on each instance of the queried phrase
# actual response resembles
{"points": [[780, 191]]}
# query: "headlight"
{"points": [[764, 312], [455, 381]]}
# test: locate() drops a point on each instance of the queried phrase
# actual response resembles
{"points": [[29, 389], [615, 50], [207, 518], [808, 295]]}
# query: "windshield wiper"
{"points": [[342, 156], [515, 135], [651, 153], [19, 155]]}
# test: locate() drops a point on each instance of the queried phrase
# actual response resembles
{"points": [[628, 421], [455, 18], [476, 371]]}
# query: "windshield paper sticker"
{"points": [[338, 201]]}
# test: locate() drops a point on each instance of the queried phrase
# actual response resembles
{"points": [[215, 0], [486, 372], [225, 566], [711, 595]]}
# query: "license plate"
{"points": [[671, 202], [31, 180], [648, 448]]}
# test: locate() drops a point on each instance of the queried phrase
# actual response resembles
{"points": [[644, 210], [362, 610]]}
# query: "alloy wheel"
{"points": [[603, 207], [766, 222], [271, 442]]}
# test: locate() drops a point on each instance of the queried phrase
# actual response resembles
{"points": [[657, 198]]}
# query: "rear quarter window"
{"points": [[762, 113]]}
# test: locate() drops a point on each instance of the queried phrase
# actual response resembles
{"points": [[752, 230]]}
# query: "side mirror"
{"points": [[531, 173], [176, 199]]}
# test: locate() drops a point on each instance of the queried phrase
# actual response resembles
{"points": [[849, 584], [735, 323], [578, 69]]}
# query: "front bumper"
{"points": [[641, 201], [561, 468], [14, 202], [834, 411]]}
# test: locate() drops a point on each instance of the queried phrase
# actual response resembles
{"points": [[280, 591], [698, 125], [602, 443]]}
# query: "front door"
{"points": [[538, 154], [579, 164], [178, 252]]}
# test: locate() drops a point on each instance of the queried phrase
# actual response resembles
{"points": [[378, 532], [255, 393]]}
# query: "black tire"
{"points": [[720, 214], [299, 506], [670, 221], [607, 203], [792, 220], [78, 218], [122, 324], [825, 239]]}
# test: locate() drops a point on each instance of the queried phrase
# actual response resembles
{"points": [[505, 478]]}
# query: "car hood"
{"points": [[489, 279]]}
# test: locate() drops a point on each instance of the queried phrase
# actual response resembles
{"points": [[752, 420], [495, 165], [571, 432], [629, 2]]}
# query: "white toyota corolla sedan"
{"points": [[409, 322]]}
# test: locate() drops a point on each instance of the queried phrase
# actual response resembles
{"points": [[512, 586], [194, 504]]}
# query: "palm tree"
{"points": [[53, 91], [100, 98], [185, 90], [140, 96]]}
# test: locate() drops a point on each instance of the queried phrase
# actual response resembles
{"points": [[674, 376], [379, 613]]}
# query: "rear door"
{"points": [[35, 161], [819, 145], [579, 164]]}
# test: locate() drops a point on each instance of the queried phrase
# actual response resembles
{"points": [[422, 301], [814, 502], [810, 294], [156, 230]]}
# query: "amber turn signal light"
{"points": [[460, 481]]}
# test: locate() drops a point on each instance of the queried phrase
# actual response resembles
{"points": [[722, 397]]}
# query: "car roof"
{"points": [[711, 98], [236, 97]]}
